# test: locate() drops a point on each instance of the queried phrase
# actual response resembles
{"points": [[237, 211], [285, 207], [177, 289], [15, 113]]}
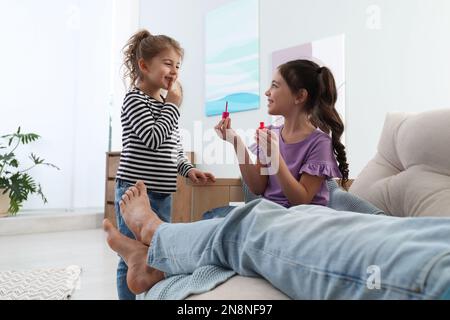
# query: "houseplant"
{"points": [[16, 184]]}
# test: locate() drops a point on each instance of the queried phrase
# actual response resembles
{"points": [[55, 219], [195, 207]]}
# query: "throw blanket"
{"points": [[206, 278]]}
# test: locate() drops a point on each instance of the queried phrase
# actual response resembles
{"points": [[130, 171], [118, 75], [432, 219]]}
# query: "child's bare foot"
{"points": [[140, 277], [138, 214]]}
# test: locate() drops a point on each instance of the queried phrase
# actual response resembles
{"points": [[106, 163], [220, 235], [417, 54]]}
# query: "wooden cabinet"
{"points": [[182, 199], [112, 163], [213, 195]]}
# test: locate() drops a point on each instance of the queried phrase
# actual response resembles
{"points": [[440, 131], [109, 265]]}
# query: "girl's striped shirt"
{"points": [[151, 146]]}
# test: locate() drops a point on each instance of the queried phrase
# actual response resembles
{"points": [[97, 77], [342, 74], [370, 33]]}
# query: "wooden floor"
{"points": [[86, 248]]}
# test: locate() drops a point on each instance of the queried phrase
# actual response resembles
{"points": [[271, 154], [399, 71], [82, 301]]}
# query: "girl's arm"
{"points": [[183, 163], [298, 192], [251, 173]]}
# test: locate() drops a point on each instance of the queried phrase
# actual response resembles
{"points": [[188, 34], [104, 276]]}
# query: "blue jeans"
{"points": [[314, 252], [220, 212], [162, 205]]}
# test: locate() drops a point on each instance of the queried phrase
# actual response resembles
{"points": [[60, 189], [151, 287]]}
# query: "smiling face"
{"points": [[280, 98], [160, 70]]}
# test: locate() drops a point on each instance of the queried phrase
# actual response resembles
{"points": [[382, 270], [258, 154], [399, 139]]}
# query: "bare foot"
{"points": [[140, 277], [138, 214]]}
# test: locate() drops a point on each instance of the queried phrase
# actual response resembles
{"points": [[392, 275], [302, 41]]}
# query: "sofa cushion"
{"points": [[410, 174]]}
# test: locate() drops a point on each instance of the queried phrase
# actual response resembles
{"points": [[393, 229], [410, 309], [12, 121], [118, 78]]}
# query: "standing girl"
{"points": [[151, 147], [304, 151]]}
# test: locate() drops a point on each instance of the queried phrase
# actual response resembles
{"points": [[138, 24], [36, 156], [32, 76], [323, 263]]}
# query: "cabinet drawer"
{"points": [[110, 191], [113, 164], [110, 213]]}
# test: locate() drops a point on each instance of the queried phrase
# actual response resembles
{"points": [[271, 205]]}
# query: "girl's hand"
{"points": [[199, 177], [224, 131], [270, 146], [175, 93]]}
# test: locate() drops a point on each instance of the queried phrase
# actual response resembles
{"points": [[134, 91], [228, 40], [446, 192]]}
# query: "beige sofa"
{"points": [[409, 176]]}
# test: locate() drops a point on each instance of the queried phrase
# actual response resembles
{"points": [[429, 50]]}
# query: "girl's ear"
{"points": [[142, 65], [301, 96]]}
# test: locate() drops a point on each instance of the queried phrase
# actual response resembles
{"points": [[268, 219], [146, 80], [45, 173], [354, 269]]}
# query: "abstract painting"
{"points": [[232, 57]]}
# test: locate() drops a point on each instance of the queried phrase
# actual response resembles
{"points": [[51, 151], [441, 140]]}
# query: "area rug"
{"points": [[41, 284]]}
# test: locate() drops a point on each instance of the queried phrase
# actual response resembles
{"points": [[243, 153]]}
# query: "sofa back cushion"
{"points": [[410, 174]]}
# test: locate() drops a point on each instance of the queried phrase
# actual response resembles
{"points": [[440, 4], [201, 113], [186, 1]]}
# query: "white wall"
{"points": [[54, 61], [125, 22], [396, 60]]}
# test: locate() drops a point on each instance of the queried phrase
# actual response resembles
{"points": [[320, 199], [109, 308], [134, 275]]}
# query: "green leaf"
{"points": [[7, 157], [14, 163], [36, 159], [14, 206], [39, 191], [21, 186], [27, 138]]}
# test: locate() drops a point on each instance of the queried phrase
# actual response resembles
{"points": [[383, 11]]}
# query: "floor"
{"points": [[85, 248]]}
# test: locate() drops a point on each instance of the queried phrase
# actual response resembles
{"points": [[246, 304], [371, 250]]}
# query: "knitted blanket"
{"points": [[206, 278]]}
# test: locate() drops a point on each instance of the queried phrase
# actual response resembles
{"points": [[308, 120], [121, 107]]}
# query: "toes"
{"points": [[125, 198], [130, 194], [135, 191], [140, 185], [122, 206]]}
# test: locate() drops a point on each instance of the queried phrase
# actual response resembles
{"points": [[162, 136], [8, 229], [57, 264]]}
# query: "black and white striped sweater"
{"points": [[151, 146]]}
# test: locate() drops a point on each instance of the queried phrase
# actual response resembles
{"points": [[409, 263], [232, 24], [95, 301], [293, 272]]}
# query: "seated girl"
{"points": [[294, 159]]}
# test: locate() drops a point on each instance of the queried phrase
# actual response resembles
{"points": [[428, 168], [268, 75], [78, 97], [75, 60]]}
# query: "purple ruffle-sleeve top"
{"points": [[314, 155]]}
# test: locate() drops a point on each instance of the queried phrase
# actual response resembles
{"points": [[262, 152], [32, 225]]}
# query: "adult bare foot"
{"points": [[140, 277], [138, 214]]}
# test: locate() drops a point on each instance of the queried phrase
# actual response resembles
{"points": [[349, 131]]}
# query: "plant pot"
{"points": [[4, 203]]}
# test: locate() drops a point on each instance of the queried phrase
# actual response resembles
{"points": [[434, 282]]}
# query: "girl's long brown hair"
{"points": [[322, 95]]}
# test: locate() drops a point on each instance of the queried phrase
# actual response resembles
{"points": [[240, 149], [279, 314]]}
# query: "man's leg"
{"points": [[308, 252]]}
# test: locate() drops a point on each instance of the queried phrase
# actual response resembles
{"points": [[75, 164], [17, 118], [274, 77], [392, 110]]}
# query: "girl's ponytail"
{"points": [[132, 54], [326, 117], [322, 96]]}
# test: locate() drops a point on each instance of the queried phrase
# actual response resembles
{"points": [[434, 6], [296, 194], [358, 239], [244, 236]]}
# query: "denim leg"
{"points": [[123, 291], [435, 277], [161, 204], [313, 252], [218, 212]]}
